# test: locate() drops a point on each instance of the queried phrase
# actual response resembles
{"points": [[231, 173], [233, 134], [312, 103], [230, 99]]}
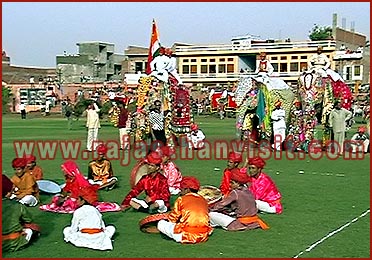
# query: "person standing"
{"points": [[156, 119], [238, 210], [87, 226], [337, 121], [122, 125], [22, 108], [93, 125], [69, 111], [18, 229], [189, 220], [279, 127]]}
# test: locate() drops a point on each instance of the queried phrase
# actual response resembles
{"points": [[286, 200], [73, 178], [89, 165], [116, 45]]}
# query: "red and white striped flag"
{"points": [[154, 46]]}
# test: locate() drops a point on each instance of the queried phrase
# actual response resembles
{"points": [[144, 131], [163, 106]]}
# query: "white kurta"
{"points": [[196, 140], [88, 216]]}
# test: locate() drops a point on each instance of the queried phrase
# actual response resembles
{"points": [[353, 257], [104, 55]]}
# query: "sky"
{"points": [[34, 33]]}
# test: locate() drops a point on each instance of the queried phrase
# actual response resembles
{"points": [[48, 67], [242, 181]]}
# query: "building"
{"points": [[95, 62]]}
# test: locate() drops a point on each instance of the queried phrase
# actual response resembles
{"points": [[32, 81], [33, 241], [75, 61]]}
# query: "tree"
{"points": [[6, 98], [319, 33]]}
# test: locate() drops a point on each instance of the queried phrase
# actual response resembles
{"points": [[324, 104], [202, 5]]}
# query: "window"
{"points": [[212, 69], [274, 58], [293, 66], [212, 60], [138, 66], [230, 68], [203, 60], [222, 68], [303, 66], [283, 57], [204, 69], [230, 59], [283, 67], [303, 57], [185, 69], [294, 57], [185, 60], [193, 60], [356, 70], [222, 59], [194, 69]]}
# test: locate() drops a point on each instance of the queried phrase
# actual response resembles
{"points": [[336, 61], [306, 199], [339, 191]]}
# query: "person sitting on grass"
{"points": [[87, 226], [267, 195], [18, 229], [25, 189], [170, 170], [35, 170], [189, 219], [238, 210], [360, 141], [233, 161], [154, 184], [196, 138], [66, 202], [100, 170]]}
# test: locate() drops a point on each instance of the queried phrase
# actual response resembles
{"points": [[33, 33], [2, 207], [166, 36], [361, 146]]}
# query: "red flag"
{"points": [[154, 46]]}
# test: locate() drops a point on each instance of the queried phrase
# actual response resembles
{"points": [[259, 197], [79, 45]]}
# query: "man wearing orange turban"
{"points": [[189, 219], [238, 210], [25, 189], [154, 184], [100, 170], [267, 195], [87, 227], [233, 161], [35, 170]]}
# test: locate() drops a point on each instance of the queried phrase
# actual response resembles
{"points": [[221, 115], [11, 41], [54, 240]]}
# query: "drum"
{"points": [[48, 186], [139, 170], [210, 193], [149, 223]]}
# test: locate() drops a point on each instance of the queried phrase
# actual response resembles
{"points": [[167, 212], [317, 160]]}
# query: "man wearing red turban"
{"points": [[262, 186], [170, 169], [100, 170], [233, 161], [35, 170], [25, 189], [238, 210], [154, 184], [196, 137], [189, 219], [359, 141], [18, 228], [87, 227]]}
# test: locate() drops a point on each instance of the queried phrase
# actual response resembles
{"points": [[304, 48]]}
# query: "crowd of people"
{"points": [[247, 191]]}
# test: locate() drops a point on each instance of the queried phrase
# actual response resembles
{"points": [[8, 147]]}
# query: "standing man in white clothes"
{"points": [[93, 125], [279, 127]]}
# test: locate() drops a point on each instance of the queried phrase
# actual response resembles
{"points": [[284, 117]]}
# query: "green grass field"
{"points": [[322, 216]]}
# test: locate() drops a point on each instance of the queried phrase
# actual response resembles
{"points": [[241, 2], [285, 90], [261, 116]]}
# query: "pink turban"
{"points": [[235, 157], [190, 182], [361, 129], [257, 161], [19, 163]]}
